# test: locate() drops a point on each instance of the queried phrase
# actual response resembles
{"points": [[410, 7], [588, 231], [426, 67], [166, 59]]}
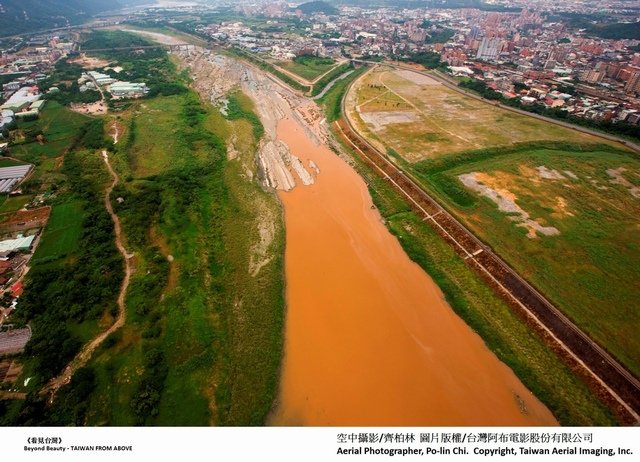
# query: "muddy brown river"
{"points": [[369, 337]]}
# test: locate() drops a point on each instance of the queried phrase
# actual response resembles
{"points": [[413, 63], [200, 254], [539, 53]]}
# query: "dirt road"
{"points": [[85, 354]]}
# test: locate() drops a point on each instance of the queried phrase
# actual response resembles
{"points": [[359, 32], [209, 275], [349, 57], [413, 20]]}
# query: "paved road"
{"points": [[331, 84], [575, 346]]}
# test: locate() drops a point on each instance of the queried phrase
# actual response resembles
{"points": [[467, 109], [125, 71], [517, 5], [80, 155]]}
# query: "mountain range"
{"points": [[19, 16]]}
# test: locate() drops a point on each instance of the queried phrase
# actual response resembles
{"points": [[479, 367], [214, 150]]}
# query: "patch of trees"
{"points": [[75, 290], [6, 78], [90, 136], [428, 59], [440, 36], [481, 88], [599, 25], [519, 86], [166, 89], [72, 401], [146, 400], [317, 7], [28, 413], [71, 94], [235, 111]]}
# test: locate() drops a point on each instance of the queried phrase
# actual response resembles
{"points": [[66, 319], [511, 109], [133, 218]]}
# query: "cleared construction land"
{"points": [[420, 118], [563, 213]]}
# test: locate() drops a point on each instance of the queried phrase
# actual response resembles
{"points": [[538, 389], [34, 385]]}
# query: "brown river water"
{"points": [[369, 337]]}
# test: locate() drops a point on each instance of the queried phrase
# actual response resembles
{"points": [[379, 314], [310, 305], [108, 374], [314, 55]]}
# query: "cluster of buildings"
{"points": [[598, 78], [25, 103], [523, 46], [19, 236], [23, 64], [28, 56], [93, 80]]}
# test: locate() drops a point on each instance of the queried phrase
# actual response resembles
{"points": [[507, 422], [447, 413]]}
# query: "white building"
{"points": [[489, 49]]}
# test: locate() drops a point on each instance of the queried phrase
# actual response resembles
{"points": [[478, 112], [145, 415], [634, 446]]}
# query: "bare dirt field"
{"points": [[439, 120], [98, 108], [89, 62], [26, 219]]}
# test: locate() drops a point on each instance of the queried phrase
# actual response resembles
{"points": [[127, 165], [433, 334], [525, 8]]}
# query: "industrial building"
{"points": [[128, 89], [10, 176], [17, 244], [7, 119], [101, 79], [21, 99]]}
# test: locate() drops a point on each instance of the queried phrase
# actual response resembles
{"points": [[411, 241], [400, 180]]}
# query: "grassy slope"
{"points": [[332, 99], [513, 342], [218, 326]]}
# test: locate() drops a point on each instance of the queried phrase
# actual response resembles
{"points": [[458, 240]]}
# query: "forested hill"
{"points": [[317, 7], [20, 16]]}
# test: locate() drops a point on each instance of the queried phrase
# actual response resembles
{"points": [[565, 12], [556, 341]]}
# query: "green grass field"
{"points": [[58, 126], [62, 233], [4, 162], [308, 67], [14, 203], [203, 340], [595, 281]]}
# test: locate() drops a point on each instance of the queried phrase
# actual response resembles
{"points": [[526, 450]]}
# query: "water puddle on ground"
{"points": [[369, 338]]}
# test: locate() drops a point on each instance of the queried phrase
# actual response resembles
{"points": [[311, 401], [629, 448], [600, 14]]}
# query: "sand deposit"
{"points": [[216, 76], [506, 203], [618, 178], [418, 79], [378, 120]]}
